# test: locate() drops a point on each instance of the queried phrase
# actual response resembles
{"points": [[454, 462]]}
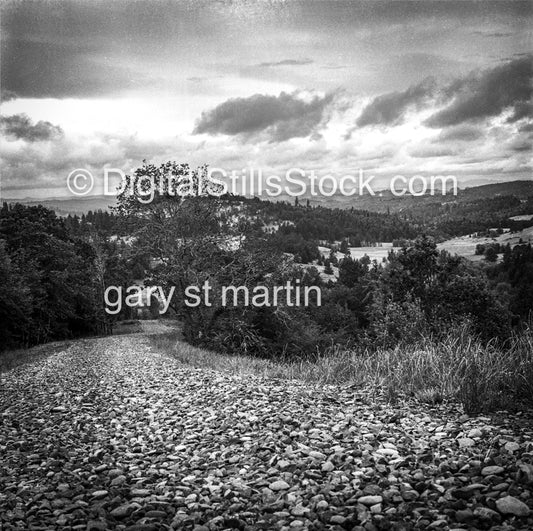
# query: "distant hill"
{"points": [[383, 201], [71, 205], [517, 188]]}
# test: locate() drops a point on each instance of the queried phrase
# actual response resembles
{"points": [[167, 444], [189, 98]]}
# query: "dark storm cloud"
{"points": [[87, 49], [41, 70], [287, 62], [489, 93], [389, 109], [20, 127], [283, 117], [350, 13]]}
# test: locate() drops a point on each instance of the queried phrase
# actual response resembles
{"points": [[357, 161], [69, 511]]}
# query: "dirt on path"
{"points": [[111, 434]]}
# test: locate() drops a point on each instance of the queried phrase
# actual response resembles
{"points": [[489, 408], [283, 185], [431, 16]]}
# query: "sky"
{"points": [[430, 87]]}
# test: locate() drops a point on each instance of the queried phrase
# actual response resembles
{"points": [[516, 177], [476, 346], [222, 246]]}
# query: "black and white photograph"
{"points": [[266, 265]]}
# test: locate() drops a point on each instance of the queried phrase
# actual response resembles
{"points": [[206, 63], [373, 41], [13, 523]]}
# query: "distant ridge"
{"points": [[522, 188], [70, 205]]}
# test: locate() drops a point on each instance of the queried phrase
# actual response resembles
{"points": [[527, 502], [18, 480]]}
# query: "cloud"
{"points": [[281, 117], [521, 110], [461, 133], [489, 93], [287, 62], [334, 67], [423, 152], [20, 127], [527, 128], [493, 33], [7, 95], [520, 145], [389, 109], [45, 165], [52, 69]]}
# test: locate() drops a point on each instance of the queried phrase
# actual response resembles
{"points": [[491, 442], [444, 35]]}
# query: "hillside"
{"points": [[466, 245]]}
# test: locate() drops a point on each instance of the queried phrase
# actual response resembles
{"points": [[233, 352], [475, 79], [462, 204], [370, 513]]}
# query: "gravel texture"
{"points": [[110, 434]]}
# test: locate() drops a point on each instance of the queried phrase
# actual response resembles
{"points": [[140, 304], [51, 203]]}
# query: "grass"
{"points": [[132, 326], [208, 359], [10, 359], [481, 377]]}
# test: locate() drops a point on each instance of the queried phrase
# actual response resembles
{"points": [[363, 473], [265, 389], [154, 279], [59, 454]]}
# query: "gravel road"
{"points": [[111, 434]]}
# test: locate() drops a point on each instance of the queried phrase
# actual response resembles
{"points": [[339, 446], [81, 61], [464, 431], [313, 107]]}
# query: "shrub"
{"points": [[393, 323]]}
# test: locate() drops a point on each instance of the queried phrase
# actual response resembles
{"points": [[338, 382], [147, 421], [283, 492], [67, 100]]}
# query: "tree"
{"points": [[351, 271], [448, 289], [328, 270], [15, 310], [480, 249], [490, 254], [344, 249], [198, 242]]}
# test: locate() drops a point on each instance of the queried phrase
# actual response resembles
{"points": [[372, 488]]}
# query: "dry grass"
{"points": [[202, 358], [481, 377]]}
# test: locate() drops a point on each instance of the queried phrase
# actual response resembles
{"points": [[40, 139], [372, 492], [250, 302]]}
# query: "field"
{"points": [[378, 253], [463, 245], [466, 245]]}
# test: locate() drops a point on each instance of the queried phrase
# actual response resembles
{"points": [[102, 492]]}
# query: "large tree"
{"points": [[194, 237]]}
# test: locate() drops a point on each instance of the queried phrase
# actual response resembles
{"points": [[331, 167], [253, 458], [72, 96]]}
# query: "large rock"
{"points": [[511, 505], [279, 485], [370, 500], [123, 510], [492, 470]]}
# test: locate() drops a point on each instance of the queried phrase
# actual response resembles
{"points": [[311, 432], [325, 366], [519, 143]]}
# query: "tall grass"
{"points": [[483, 377]]}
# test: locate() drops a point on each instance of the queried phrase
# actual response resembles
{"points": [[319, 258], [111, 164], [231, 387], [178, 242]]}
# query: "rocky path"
{"points": [[109, 434]]}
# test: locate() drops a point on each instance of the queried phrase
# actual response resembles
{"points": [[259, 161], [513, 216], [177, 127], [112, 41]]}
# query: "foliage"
{"points": [[49, 285], [512, 279]]}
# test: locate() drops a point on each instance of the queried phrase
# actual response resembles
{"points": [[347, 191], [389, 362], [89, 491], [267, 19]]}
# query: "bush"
{"points": [[395, 323]]}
